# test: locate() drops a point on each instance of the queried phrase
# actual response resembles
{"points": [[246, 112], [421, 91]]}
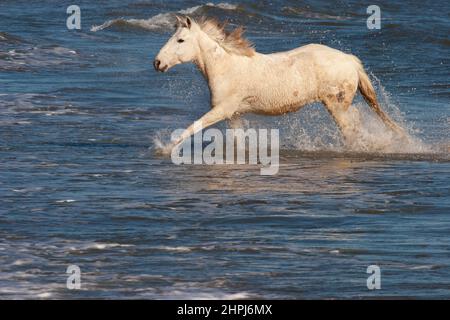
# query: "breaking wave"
{"points": [[25, 58], [160, 21]]}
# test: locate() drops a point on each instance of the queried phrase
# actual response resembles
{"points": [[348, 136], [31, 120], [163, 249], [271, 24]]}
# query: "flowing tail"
{"points": [[368, 92]]}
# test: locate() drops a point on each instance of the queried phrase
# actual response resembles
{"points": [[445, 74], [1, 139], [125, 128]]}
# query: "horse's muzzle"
{"points": [[157, 66]]}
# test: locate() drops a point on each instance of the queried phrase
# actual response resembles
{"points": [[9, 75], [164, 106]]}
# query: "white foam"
{"points": [[174, 249], [44, 295], [24, 190], [423, 267], [65, 201], [21, 262], [101, 246], [212, 295]]}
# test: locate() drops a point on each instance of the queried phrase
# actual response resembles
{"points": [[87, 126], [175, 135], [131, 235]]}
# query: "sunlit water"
{"points": [[81, 183]]}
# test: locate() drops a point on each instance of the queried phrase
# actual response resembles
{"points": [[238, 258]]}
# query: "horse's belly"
{"points": [[277, 107], [278, 103], [276, 112]]}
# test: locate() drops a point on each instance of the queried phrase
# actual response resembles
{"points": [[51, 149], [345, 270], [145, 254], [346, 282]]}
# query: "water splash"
{"points": [[162, 145], [312, 129], [374, 136]]}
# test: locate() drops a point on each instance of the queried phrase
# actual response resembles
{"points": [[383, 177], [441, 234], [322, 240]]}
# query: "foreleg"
{"points": [[215, 115]]}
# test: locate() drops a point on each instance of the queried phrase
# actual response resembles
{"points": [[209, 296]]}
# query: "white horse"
{"points": [[242, 80]]}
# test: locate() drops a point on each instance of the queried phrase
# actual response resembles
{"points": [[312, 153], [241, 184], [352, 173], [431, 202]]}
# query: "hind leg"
{"points": [[338, 103]]}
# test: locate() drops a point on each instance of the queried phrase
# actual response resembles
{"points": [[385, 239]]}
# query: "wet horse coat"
{"points": [[242, 80]]}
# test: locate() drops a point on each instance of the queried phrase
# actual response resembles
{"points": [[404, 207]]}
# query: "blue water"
{"points": [[81, 183]]}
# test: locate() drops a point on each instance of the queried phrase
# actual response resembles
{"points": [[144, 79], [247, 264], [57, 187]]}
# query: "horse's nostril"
{"points": [[156, 64]]}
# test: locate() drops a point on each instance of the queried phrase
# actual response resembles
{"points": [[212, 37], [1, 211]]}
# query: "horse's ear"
{"points": [[184, 22], [180, 21], [188, 22]]}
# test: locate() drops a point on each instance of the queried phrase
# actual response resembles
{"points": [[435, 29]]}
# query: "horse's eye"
{"points": [[180, 41]]}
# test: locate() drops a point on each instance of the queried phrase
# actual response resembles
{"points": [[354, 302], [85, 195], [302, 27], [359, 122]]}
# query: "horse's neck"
{"points": [[211, 58]]}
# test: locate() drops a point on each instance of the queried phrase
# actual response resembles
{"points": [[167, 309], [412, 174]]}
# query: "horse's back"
{"points": [[311, 48], [327, 63], [319, 53], [332, 64]]}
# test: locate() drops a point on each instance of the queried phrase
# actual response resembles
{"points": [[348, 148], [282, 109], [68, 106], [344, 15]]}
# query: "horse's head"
{"points": [[182, 46]]}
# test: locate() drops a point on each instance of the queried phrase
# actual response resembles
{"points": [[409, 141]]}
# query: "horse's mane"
{"points": [[232, 42]]}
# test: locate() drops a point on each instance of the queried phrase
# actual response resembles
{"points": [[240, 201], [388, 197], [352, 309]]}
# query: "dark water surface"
{"points": [[80, 182]]}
